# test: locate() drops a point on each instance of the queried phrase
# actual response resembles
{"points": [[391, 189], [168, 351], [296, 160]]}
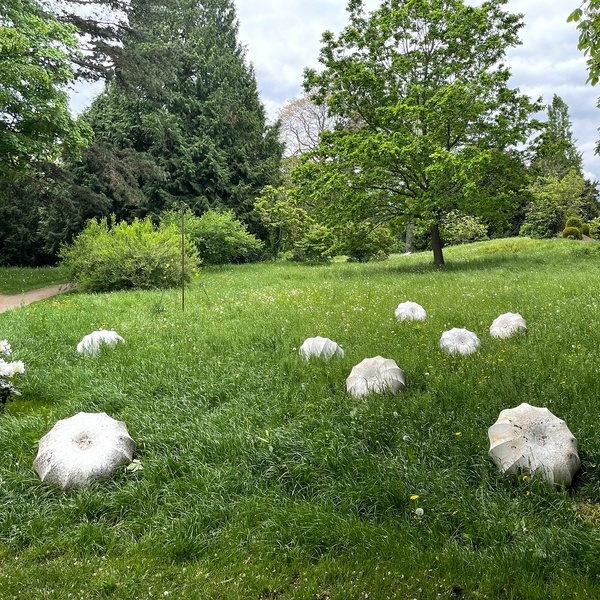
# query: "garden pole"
{"points": [[182, 258]]}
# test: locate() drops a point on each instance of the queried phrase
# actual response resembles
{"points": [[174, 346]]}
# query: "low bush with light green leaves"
{"points": [[127, 256], [259, 478]]}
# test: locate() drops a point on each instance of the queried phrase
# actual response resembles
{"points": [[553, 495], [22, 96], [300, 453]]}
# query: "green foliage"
{"points": [[190, 102], [553, 201], [461, 228], [574, 222], [554, 151], [35, 122], [125, 257], [218, 236], [594, 225], [572, 233], [363, 242], [585, 229], [434, 133], [293, 231]]}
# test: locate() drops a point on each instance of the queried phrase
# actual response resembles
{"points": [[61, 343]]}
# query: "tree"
{"points": [[428, 121], [195, 111], [35, 123], [302, 122], [553, 151]]}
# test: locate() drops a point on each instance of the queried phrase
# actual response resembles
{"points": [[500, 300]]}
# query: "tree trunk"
{"points": [[436, 245]]}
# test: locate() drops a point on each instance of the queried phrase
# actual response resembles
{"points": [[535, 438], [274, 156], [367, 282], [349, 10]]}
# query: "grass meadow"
{"points": [[261, 480], [16, 280]]}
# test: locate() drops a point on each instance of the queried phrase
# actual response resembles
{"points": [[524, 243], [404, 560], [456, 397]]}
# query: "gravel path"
{"points": [[17, 300]]}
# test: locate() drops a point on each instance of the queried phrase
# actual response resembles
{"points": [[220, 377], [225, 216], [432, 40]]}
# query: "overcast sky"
{"points": [[282, 37]]}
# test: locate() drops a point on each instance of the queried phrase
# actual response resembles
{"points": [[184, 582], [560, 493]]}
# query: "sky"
{"points": [[283, 37]]}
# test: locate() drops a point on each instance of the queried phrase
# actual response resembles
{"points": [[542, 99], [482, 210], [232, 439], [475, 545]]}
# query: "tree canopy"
{"points": [[191, 103], [427, 121], [35, 123]]}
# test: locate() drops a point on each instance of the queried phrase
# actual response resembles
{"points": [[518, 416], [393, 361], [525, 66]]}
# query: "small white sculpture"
{"points": [[320, 347], [410, 311], [375, 375], [83, 448], [90, 344], [532, 439], [507, 324], [459, 341]]}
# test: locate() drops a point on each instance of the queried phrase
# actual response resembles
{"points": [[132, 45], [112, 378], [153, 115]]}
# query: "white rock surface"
{"points": [[459, 341], [410, 311], [83, 448], [320, 347], [375, 375], [507, 324], [530, 439], [90, 344]]}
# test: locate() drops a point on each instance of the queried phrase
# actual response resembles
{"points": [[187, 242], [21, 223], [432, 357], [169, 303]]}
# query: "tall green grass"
{"points": [[261, 479], [16, 280]]}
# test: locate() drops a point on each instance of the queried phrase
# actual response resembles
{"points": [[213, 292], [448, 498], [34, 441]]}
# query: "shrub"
{"points": [[460, 228], [574, 222], [219, 237], [314, 245], [585, 229], [594, 226], [362, 243], [125, 257], [572, 233]]}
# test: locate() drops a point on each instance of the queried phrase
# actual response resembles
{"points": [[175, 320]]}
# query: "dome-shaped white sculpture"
{"points": [[320, 347], [532, 439], [83, 448], [410, 311], [375, 375], [90, 344], [459, 341], [507, 324]]}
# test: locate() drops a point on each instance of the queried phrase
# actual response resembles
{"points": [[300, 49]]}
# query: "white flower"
{"points": [[5, 348], [419, 512], [11, 369]]}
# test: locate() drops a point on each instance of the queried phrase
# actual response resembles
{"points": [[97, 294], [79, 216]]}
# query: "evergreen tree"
{"points": [[192, 105], [554, 150]]}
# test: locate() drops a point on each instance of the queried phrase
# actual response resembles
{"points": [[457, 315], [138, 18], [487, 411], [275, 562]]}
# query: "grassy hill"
{"points": [[262, 480]]}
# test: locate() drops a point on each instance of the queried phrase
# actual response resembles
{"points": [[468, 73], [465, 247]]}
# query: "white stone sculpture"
{"points": [[83, 448], [459, 341], [375, 375], [90, 344], [320, 347], [410, 311], [531, 439], [507, 324]]}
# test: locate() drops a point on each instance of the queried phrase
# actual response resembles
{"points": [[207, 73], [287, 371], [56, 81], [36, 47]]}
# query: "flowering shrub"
{"points": [[8, 371]]}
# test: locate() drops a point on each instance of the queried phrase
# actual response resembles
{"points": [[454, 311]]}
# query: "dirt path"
{"points": [[17, 300]]}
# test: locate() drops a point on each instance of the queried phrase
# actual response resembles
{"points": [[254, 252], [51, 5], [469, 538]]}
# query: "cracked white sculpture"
{"points": [[459, 341], [82, 449], [410, 311], [320, 347], [375, 375], [90, 344], [507, 324], [530, 439]]}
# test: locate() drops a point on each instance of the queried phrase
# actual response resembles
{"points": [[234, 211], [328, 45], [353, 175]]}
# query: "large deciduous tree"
{"points": [[35, 123], [428, 123]]}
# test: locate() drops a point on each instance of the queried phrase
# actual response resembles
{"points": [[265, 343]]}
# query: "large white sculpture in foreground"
{"points": [[83, 448], [532, 439], [507, 324], [410, 311], [320, 347], [90, 344], [374, 375], [459, 341]]}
